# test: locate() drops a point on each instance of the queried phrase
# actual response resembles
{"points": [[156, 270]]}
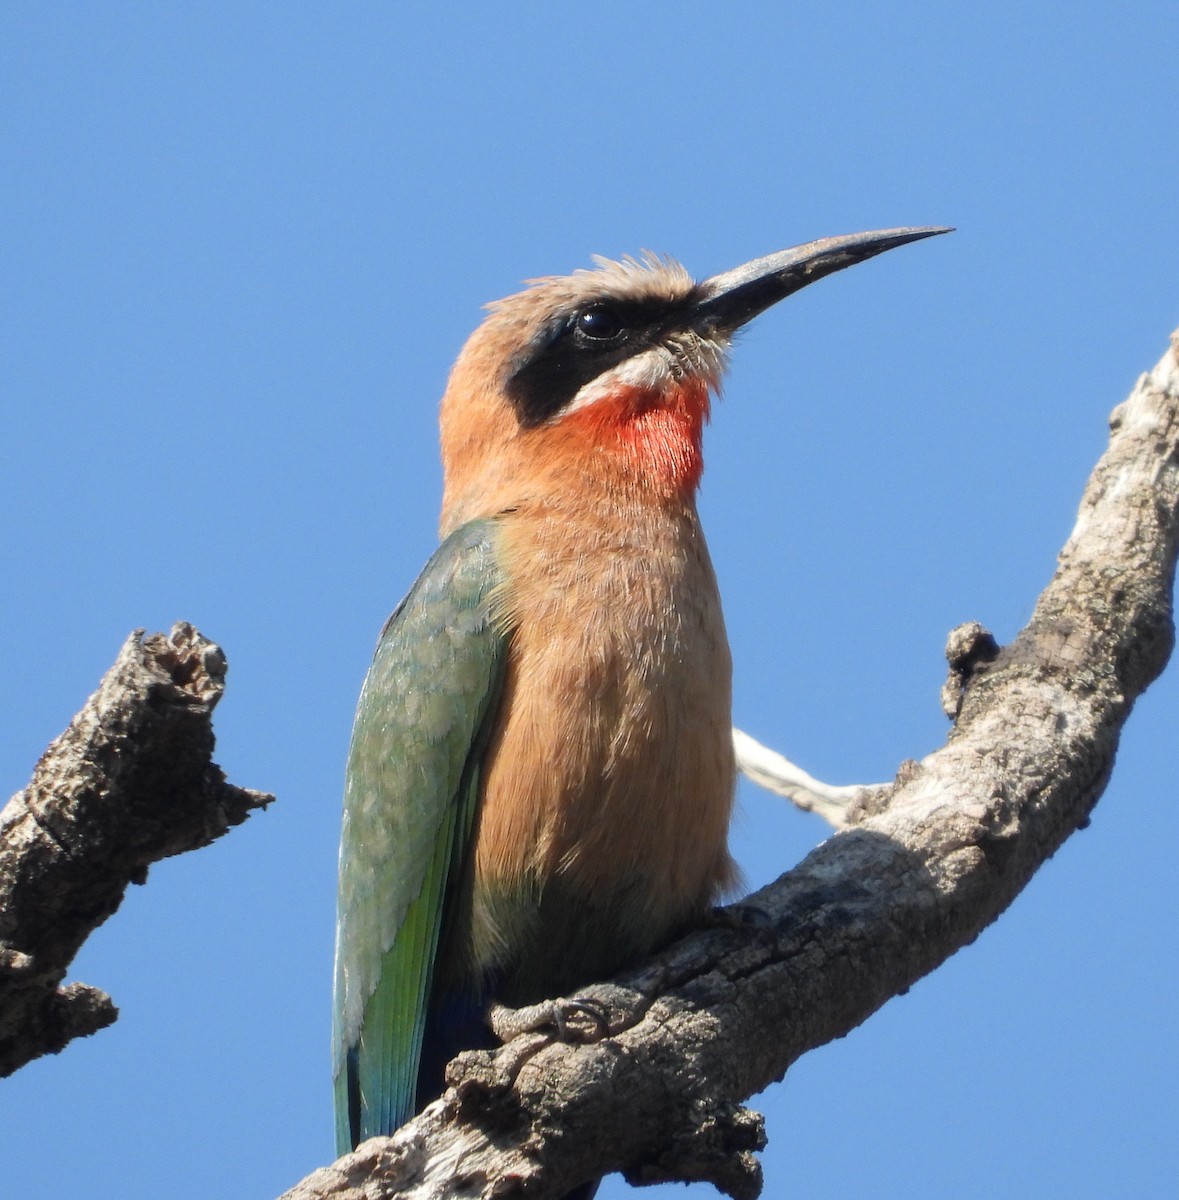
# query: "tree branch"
{"points": [[130, 781], [929, 863], [776, 773]]}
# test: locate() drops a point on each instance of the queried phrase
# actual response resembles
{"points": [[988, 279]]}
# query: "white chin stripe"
{"points": [[652, 370]]}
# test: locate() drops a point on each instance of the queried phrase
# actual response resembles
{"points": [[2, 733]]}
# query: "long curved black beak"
{"points": [[729, 300]]}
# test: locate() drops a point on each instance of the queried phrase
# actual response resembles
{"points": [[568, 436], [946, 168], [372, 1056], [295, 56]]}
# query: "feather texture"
{"points": [[410, 794]]}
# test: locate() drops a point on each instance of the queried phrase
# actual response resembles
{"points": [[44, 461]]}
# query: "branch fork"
{"points": [[920, 866]]}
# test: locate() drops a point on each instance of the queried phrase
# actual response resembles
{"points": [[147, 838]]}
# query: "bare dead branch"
{"points": [[130, 781], [776, 773], [929, 863]]}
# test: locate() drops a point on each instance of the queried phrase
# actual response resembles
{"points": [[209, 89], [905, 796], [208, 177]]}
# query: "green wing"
{"points": [[409, 803]]}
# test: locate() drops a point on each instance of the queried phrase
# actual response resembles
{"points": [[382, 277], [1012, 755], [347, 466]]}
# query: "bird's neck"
{"points": [[632, 448]]}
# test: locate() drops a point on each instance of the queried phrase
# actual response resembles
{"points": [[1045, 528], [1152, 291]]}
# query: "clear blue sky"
{"points": [[242, 243]]}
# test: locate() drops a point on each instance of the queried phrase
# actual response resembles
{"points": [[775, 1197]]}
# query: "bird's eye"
{"points": [[600, 323]]}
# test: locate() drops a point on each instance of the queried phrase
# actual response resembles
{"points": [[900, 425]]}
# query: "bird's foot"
{"points": [[572, 1020]]}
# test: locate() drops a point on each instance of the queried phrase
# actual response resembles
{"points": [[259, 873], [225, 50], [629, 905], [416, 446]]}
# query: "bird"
{"points": [[541, 771]]}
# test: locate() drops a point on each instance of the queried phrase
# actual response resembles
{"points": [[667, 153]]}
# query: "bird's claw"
{"points": [[555, 1015]]}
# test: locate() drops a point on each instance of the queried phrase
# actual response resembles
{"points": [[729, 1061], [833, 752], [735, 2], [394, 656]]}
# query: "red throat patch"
{"points": [[659, 433]]}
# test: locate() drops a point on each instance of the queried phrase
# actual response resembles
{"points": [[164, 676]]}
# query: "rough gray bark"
{"points": [[927, 864], [129, 782]]}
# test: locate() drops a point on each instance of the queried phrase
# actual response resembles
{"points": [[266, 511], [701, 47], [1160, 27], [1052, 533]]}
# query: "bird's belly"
{"points": [[604, 816]]}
